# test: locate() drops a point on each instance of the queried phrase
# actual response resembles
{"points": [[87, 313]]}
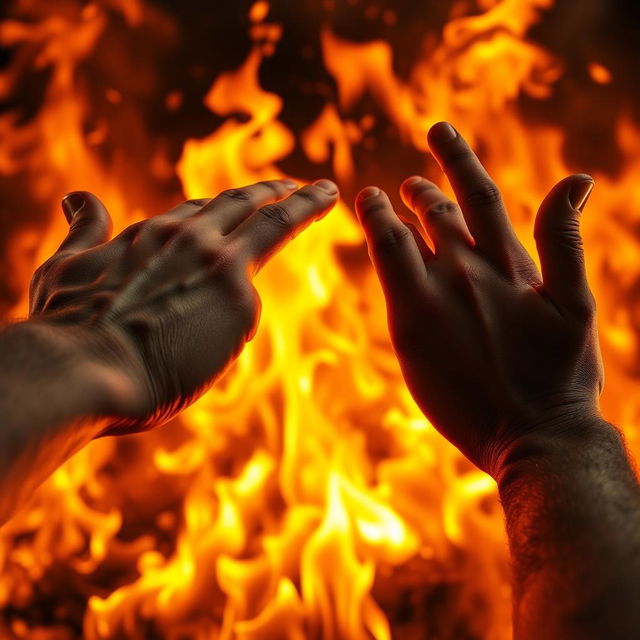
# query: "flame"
{"points": [[304, 496]]}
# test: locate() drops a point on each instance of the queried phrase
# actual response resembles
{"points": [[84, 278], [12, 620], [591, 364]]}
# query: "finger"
{"points": [[272, 226], [186, 209], [392, 246], [89, 222], [478, 196], [233, 206], [223, 212], [557, 233], [441, 218]]}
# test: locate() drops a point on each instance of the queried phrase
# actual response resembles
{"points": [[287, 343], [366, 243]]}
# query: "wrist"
{"points": [[55, 398], [73, 362], [556, 448]]}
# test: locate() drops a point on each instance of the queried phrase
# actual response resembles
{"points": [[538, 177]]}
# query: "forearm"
{"points": [[572, 508], [52, 403]]}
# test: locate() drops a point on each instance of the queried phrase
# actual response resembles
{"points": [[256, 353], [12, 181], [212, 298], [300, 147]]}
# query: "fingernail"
{"points": [[70, 204], [327, 185], [443, 132], [415, 180], [369, 192], [290, 184], [579, 194]]}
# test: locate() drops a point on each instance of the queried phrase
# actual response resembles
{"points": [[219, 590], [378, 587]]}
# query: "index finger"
{"points": [[271, 227]]}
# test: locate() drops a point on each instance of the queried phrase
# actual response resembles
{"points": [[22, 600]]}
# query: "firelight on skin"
{"points": [[503, 360], [159, 531]]}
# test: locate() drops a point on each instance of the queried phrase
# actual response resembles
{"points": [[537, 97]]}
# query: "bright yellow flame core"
{"points": [[315, 498]]}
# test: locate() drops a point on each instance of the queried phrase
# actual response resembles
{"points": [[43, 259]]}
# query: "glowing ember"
{"points": [[305, 496]]}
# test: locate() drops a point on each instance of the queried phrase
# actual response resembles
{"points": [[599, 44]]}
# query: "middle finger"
{"points": [[480, 200]]}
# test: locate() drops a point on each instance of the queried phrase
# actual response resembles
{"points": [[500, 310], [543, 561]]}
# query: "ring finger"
{"points": [[440, 216]]}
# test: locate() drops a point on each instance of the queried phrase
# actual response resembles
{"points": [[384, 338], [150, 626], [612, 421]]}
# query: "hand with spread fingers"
{"points": [[166, 305], [490, 349], [504, 361]]}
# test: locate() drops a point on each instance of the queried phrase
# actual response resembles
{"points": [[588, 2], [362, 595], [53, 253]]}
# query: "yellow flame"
{"points": [[305, 495]]}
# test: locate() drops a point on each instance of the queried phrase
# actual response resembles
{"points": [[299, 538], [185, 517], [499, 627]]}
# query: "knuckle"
{"points": [[548, 226], [574, 242], [221, 262], [273, 186], [391, 239], [484, 195], [278, 215], [570, 233], [155, 231], [567, 238], [189, 237], [372, 209], [460, 270], [236, 194], [81, 222], [132, 232], [198, 242], [157, 227], [169, 229], [198, 202], [421, 191], [465, 277], [312, 195], [440, 208]]}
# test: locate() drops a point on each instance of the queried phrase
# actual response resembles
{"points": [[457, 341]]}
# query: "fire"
{"points": [[304, 496]]}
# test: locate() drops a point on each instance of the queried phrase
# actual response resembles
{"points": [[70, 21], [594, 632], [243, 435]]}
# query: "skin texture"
{"points": [[126, 332], [505, 362]]}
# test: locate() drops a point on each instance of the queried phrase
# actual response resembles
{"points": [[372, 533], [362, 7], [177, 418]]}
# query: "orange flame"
{"points": [[304, 496]]}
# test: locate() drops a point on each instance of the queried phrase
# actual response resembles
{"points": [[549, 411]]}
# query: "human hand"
{"points": [[166, 306], [491, 350]]}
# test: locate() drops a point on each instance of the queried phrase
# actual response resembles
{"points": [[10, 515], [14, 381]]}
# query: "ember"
{"points": [[305, 496]]}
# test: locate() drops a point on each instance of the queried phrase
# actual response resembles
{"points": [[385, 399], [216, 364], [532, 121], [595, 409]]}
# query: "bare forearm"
{"points": [[573, 520], [50, 402]]}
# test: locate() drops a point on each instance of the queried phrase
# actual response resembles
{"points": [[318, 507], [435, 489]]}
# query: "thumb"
{"points": [[89, 222], [557, 233]]}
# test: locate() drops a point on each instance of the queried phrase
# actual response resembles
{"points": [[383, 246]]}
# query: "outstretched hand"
{"points": [[491, 349], [163, 308]]}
